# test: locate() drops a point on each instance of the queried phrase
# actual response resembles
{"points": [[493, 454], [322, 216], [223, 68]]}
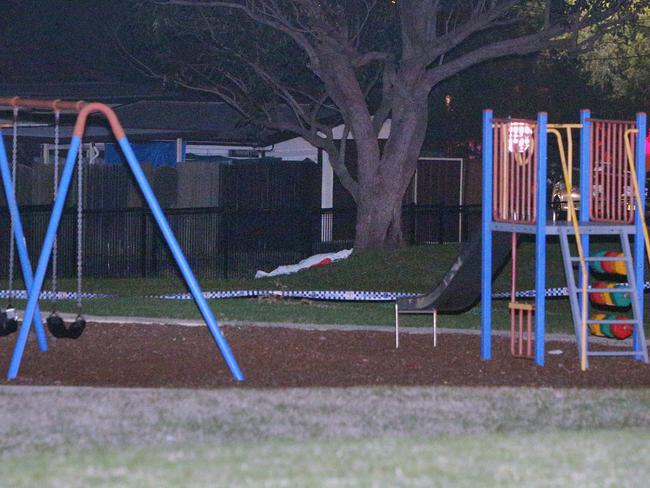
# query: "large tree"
{"points": [[620, 63], [359, 62]]}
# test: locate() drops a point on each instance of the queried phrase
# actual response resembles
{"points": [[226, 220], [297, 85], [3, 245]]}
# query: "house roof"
{"points": [[147, 112], [210, 121], [145, 120]]}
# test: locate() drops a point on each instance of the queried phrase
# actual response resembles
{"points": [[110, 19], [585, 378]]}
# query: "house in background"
{"points": [[189, 144]]}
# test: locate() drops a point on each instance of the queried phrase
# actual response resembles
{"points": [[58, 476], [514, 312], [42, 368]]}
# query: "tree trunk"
{"points": [[383, 181], [379, 222]]}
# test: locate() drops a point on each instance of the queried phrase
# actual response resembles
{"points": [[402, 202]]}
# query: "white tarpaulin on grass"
{"points": [[310, 262]]}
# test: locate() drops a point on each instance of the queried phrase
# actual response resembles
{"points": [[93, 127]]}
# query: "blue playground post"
{"points": [[585, 186], [540, 239], [19, 236], [585, 196], [46, 251], [639, 242], [486, 237]]}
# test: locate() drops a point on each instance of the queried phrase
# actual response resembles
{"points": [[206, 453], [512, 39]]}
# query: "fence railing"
{"points": [[219, 242]]}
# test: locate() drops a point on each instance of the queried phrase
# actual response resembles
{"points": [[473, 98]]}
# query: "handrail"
{"points": [[583, 268], [635, 186]]}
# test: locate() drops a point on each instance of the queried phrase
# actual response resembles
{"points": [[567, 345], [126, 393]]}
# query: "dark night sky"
{"points": [[62, 41], [67, 41]]}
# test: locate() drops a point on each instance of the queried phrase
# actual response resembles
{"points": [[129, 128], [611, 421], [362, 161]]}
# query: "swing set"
{"points": [[34, 281]]}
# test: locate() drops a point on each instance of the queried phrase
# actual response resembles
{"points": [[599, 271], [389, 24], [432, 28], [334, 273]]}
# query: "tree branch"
{"points": [[520, 46]]}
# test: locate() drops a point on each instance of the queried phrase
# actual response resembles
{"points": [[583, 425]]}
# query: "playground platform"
{"points": [[555, 228]]}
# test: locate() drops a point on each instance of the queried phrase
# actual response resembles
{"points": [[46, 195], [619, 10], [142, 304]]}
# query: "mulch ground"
{"points": [[175, 356]]}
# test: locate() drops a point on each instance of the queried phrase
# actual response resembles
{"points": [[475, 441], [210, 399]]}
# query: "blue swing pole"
{"points": [[158, 214], [19, 236], [44, 259], [181, 261]]}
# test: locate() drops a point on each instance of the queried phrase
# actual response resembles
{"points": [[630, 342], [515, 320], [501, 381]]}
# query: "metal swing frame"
{"points": [[35, 285]]}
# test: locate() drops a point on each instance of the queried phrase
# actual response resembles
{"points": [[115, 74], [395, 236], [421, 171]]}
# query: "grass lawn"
{"points": [[324, 437], [601, 458], [415, 269]]}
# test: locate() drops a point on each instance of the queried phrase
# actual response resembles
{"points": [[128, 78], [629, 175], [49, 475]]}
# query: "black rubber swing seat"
{"points": [[7, 326], [59, 329]]}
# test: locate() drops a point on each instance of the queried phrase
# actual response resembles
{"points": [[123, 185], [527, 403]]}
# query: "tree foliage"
{"points": [[305, 65], [620, 63]]}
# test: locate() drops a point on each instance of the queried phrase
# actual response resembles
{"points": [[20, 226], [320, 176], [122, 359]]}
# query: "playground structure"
{"points": [[34, 281], [611, 182]]}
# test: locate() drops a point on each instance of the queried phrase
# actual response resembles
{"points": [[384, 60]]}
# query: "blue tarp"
{"points": [[156, 153]]}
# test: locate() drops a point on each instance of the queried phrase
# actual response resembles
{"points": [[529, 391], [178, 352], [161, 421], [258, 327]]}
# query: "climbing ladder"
{"points": [[639, 348]]}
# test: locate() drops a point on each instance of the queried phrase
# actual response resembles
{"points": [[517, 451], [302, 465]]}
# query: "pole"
{"points": [[461, 200], [639, 243], [486, 238], [585, 187], [183, 265], [44, 258], [540, 238]]}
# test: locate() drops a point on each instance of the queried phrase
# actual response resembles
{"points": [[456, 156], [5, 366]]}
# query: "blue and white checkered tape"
{"points": [[49, 295], [334, 295]]}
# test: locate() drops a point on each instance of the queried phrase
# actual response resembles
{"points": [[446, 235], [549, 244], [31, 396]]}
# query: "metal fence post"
{"points": [[414, 223], [143, 243], [441, 224], [225, 226]]}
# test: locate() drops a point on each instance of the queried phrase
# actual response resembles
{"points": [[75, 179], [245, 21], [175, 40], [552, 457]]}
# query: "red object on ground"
{"points": [[323, 262]]}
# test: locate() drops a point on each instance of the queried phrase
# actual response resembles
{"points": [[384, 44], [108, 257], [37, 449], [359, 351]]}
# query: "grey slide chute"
{"points": [[460, 288]]}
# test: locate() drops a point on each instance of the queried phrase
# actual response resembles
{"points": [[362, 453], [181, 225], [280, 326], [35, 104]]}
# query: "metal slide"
{"points": [[460, 288]]}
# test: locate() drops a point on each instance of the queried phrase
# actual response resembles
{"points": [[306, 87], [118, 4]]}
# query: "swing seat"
{"points": [[59, 329], [77, 327], [8, 324]]}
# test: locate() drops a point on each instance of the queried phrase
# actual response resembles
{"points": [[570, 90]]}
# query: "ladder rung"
{"points": [[613, 353], [593, 258], [609, 321]]}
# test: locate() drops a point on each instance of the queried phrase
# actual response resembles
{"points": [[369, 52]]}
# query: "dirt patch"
{"points": [[176, 356]]}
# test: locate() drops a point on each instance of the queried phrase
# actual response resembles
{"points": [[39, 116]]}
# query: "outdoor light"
{"points": [[448, 102], [519, 137]]}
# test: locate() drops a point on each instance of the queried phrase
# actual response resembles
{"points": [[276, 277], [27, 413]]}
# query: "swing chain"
{"points": [[14, 165], [79, 225], [55, 247]]}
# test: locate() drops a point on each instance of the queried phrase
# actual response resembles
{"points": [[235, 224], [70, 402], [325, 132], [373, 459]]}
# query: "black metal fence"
{"points": [[218, 243]]}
